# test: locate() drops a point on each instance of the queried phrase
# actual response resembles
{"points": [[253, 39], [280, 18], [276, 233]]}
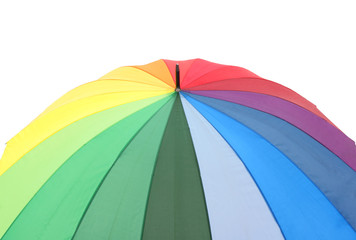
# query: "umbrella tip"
{"points": [[177, 78]]}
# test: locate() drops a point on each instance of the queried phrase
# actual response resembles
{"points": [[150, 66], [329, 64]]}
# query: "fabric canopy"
{"points": [[228, 155]]}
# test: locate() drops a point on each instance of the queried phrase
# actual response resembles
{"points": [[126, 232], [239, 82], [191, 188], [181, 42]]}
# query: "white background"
{"points": [[49, 47]]}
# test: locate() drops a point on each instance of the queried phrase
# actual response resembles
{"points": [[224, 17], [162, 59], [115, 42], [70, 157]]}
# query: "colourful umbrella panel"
{"points": [[179, 150]]}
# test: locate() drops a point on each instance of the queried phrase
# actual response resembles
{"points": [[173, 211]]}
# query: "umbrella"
{"points": [[179, 150]]}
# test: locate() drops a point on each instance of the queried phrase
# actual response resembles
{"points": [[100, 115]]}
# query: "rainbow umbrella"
{"points": [[179, 150]]}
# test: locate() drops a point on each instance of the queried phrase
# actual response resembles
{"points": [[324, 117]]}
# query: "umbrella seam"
{"points": [[200, 177], [252, 177], [327, 199], [192, 92], [152, 175], [313, 105], [222, 66], [106, 174], [137, 67], [95, 95], [62, 166], [72, 123]]}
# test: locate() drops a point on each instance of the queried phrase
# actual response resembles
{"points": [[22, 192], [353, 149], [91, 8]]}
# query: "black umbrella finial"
{"points": [[177, 78]]}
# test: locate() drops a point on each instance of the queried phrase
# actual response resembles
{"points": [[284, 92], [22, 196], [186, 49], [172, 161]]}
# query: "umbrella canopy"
{"points": [[179, 150]]}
